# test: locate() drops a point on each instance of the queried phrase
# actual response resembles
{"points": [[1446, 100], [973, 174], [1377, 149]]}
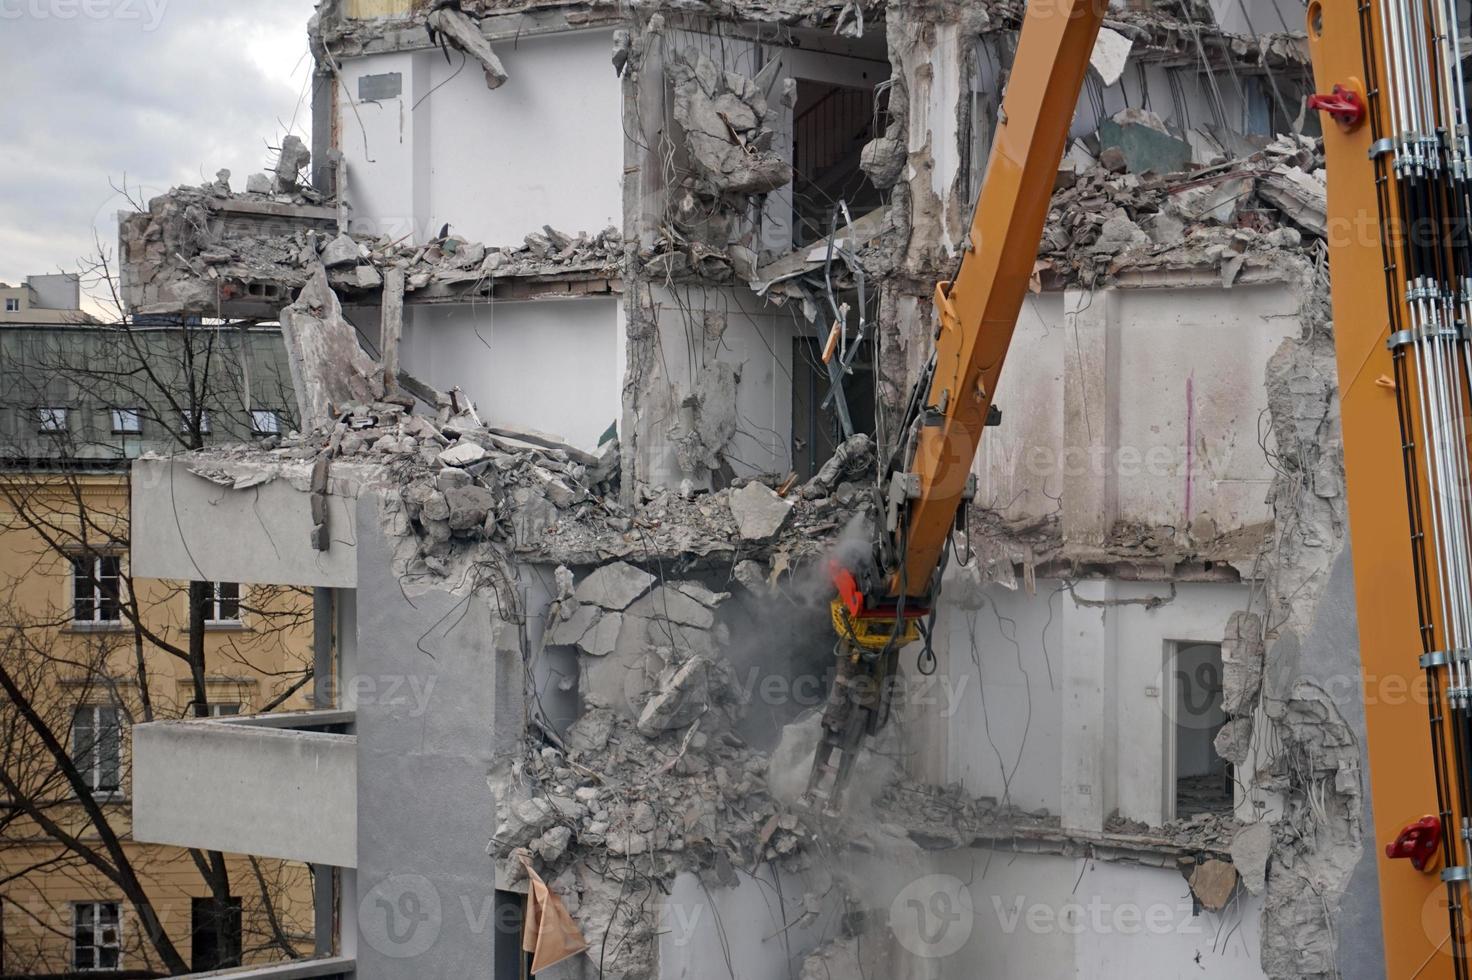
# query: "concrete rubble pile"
{"points": [[192, 248], [1234, 216], [730, 156], [450, 260]]}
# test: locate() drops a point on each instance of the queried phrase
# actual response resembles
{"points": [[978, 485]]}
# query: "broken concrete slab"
{"points": [[683, 696], [570, 631], [614, 586], [1242, 663], [341, 251], [328, 367], [462, 454], [723, 136], [469, 506], [1301, 196], [758, 510], [602, 638], [1110, 55], [1250, 850], [293, 159], [464, 33], [672, 604], [701, 594]]}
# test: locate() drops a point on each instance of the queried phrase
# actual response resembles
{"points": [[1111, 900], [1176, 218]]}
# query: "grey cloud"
{"points": [[160, 92]]}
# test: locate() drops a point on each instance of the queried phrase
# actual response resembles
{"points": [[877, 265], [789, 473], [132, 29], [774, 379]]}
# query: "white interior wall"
{"points": [[1043, 916], [448, 149], [1136, 353], [1073, 687], [549, 365], [1005, 702], [959, 915], [1190, 393]]}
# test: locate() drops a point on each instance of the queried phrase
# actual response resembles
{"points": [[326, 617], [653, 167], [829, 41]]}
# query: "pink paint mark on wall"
{"points": [[1190, 438]]}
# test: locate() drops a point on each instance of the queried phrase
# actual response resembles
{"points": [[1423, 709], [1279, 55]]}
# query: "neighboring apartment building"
{"points": [[89, 651], [542, 651], [54, 298]]}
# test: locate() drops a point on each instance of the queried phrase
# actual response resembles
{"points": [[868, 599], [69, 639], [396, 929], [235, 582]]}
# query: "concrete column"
{"points": [[438, 688], [1089, 656], [1090, 420]]}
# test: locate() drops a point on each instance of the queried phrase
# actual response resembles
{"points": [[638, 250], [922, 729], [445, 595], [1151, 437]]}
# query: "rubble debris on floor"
{"points": [[1231, 217], [196, 248]]}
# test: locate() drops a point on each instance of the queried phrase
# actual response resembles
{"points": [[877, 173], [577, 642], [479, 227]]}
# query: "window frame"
{"points": [[97, 596], [94, 767], [258, 415], [204, 422], [95, 923], [52, 419], [12, 304], [217, 602], [117, 416]]}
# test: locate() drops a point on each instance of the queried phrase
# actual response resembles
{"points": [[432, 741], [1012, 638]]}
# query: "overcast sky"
{"points": [[162, 92]]}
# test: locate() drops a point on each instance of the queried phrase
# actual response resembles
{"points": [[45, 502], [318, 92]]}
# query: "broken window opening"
{"points": [[830, 125], [1203, 780], [816, 431]]}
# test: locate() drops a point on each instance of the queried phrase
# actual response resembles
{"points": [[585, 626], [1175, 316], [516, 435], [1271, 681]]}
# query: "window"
{"points": [[126, 421], [12, 304], [96, 940], [222, 604], [214, 933], [223, 709], [264, 422], [96, 588], [51, 419], [204, 421], [97, 746]]}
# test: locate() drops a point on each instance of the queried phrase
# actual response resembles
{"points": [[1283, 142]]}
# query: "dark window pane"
{"points": [[229, 601], [109, 753], [84, 743], [82, 595]]}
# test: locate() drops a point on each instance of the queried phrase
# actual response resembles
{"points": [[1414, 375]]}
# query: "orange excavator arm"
{"points": [[1395, 148], [977, 311], [882, 598]]}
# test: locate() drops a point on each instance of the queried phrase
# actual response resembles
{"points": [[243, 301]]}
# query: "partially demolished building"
{"points": [[592, 659]]}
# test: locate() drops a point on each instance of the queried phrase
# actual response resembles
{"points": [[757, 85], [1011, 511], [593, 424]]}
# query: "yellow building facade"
{"points": [[86, 653]]}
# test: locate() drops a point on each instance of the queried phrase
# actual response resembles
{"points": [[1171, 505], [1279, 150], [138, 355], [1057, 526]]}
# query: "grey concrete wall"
{"points": [[186, 527], [426, 748], [1330, 655], [245, 789]]}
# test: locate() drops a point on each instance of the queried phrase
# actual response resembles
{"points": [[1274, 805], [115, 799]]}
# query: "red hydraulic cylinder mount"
{"points": [[1344, 105], [1418, 841]]}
